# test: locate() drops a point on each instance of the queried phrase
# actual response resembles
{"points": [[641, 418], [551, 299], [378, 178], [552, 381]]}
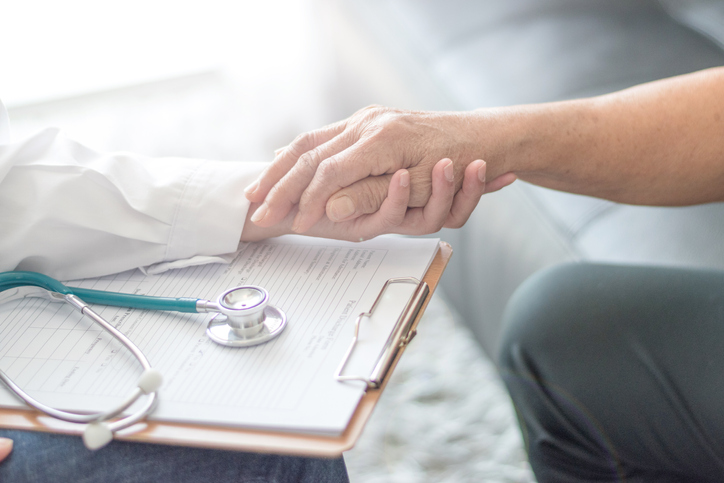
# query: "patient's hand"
{"points": [[360, 154]]}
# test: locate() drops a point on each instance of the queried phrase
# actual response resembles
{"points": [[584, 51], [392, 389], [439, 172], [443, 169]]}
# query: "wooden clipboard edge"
{"points": [[302, 444]]}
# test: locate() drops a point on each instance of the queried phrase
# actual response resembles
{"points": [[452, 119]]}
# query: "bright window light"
{"points": [[51, 49]]}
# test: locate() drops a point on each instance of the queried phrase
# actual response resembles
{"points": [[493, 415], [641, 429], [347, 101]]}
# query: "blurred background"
{"points": [[223, 79], [234, 80]]}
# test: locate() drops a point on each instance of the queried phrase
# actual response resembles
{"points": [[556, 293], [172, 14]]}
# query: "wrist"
{"points": [[535, 142]]}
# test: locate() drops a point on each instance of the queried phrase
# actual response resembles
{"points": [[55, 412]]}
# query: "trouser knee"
{"points": [[544, 318], [540, 313], [596, 356]]}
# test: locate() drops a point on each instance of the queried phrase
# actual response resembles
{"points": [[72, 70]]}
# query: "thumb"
{"points": [[361, 198], [6, 446]]}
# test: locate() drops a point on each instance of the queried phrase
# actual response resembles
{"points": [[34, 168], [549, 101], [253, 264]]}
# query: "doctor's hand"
{"points": [[359, 155], [443, 207]]}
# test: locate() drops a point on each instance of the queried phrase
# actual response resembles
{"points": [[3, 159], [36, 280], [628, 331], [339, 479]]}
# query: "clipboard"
{"points": [[261, 441]]}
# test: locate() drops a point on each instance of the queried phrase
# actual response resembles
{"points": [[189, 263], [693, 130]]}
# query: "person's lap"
{"points": [[617, 373], [44, 457]]}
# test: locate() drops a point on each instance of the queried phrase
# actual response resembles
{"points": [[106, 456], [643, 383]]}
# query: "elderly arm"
{"points": [[660, 143]]}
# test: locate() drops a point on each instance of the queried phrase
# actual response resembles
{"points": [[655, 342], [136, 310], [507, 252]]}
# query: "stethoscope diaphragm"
{"points": [[245, 318]]}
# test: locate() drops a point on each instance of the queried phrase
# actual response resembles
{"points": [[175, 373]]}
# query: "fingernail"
{"points": [[279, 150], [341, 208], [481, 172], [448, 170], [259, 213], [296, 222], [405, 179], [252, 187]]}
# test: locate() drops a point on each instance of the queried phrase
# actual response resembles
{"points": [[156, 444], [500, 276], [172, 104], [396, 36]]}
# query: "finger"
{"points": [[286, 157], [391, 213], [500, 182], [431, 218], [6, 446], [467, 198], [288, 190], [363, 197], [359, 161]]}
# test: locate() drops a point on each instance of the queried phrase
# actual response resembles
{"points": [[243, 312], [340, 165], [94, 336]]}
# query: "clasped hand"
{"points": [[380, 171]]}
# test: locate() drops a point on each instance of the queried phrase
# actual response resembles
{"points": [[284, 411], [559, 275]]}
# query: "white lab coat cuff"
{"points": [[211, 213], [157, 268]]}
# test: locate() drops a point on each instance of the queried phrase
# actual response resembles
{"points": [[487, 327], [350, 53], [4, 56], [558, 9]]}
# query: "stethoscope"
{"points": [[243, 318]]}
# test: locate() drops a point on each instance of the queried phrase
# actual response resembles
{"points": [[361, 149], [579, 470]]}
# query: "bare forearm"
{"points": [[660, 143]]}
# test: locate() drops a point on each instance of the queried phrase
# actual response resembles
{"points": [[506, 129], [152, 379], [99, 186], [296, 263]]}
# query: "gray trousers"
{"points": [[617, 373]]}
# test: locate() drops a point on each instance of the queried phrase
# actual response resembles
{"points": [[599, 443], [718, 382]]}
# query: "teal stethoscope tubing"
{"points": [[99, 431], [15, 279]]}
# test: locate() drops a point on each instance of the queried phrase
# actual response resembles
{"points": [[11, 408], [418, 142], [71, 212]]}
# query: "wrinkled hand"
{"points": [[359, 156], [394, 216]]}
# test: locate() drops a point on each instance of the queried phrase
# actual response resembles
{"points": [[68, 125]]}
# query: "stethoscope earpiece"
{"points": [[97, 435]]}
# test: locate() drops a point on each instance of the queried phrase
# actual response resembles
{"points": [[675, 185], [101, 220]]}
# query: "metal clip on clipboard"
{"points": [[401, 334]]}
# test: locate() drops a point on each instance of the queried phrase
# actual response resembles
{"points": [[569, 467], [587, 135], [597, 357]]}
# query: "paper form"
{"points": [[65, 361]]}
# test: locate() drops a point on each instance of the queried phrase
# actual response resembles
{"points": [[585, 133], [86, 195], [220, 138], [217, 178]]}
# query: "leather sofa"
{"points": [[466, 54]]}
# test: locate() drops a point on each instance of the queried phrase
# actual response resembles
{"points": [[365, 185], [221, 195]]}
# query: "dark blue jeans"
{"points": [[617, 373], [43, 457]]}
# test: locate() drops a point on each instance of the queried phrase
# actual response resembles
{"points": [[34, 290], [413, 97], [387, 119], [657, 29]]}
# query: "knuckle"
{"points": [[298, 146], [377, 133], [304, 142], [328, 169], [379, 116], [387, 129], [372, 110], [309, 161]]}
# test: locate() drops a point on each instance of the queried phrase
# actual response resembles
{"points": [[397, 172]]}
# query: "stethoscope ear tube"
{"points": [[244, 319], [99, 431]]}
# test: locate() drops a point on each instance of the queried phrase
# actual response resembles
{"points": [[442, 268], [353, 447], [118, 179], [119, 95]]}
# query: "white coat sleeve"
{"points": [[70, 212]]}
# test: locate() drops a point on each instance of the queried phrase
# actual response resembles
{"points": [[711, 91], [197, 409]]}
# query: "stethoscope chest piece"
{"points": [[245, 318]]}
